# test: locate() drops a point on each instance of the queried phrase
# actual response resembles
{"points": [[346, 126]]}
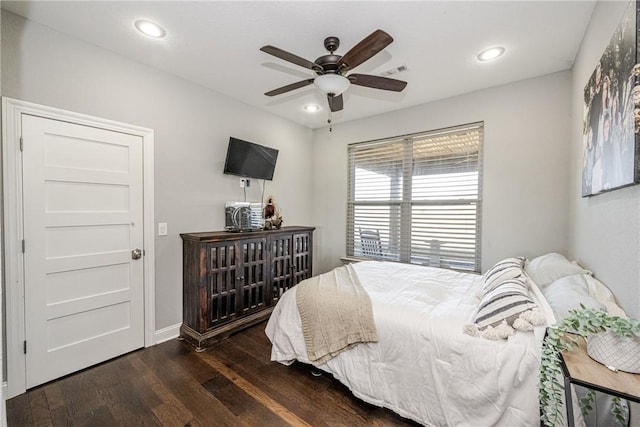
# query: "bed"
{"points": [[424, 366]]}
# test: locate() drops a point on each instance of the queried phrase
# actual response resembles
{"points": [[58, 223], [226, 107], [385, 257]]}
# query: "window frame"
{"points": [[402, 238]]}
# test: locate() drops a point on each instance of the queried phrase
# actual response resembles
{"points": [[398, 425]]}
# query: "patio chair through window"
{"points": [[370, 242]]}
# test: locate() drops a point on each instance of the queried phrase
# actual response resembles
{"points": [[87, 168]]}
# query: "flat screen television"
{"points": [[250, 160]]}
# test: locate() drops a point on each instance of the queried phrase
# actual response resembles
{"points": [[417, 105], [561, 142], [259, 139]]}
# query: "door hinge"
{"points": [[22, 245], [21, 144], [24, 347]]}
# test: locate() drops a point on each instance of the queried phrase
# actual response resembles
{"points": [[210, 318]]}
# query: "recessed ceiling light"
{"points": [[150, 29], [490, 54], [311, 108]]}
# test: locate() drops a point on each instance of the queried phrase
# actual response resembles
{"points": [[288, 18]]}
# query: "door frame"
{"points": [[12, 111]]}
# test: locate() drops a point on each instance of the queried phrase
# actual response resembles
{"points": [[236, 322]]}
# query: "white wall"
{"points": [[192, 128], [525, 179], [604, 229]]}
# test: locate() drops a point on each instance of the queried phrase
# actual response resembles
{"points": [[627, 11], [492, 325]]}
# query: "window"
{"points": [[417, 198]]}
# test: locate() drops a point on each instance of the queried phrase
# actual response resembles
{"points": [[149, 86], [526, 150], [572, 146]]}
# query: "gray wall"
{"points": [[3, 318], [192, 127], [604, 229], [525, 179]]}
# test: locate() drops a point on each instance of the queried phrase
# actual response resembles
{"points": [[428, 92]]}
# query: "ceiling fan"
{"points": [[331, 69]]}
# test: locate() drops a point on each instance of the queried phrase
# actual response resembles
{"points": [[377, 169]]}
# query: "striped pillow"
{"points": [[505, 302], [508, 268]]}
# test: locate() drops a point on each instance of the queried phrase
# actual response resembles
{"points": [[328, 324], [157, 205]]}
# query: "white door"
{"points": [[83, 217]]}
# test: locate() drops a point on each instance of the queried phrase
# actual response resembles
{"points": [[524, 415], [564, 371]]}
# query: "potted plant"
{"points": [[587, 323]]}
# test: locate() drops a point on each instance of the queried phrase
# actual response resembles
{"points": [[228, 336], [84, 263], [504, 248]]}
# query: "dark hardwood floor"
{"points": [[231, 384]]}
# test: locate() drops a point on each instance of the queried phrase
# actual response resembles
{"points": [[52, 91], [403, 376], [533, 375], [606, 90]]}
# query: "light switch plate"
{"points": [[162, 229]]}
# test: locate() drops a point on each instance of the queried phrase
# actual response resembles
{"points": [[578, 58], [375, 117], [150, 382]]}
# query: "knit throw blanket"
{"points": [[336, 313]]}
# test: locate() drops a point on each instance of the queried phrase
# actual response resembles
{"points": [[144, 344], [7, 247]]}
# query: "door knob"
{"points": [[136, 254]]}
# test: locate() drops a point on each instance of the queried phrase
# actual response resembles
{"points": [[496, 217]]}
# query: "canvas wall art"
{"points": [[611, 139]]}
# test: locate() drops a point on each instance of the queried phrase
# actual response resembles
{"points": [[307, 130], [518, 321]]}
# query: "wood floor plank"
{"points": [[233, 383], [170, 416], [110, 374], [330, 398], [170, 410], [98, 417], [127, 406], [193, 396], [257, 393], [240, 402], [184, 354], [52, 391], [243, 406], [255, 342], [293, 396], [57, 407], [59, 417], [293, 379], [80, 395], [259, 334], [40, 408], [146, 392], [19, 411]]}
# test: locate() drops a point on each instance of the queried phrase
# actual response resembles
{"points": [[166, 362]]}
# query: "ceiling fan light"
{"points": [[332, 84]]}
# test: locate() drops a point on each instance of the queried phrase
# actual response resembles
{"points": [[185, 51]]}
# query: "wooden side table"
{"points": [[578, 368]]}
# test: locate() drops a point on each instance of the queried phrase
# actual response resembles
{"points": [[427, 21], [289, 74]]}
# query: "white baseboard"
{"points": [[168, 333], [3, 408]]}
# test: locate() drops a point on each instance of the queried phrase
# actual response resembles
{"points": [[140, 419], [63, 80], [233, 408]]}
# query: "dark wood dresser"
{"points": [[233, 280]]}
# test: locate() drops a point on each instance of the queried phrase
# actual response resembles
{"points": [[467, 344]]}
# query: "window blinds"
{"points": [[417, 198]]}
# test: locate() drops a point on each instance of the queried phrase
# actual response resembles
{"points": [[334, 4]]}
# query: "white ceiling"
{"points": [[216, 44]]}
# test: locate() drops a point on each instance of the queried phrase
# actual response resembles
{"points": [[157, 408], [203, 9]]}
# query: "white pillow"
{"points": [[548, 268], [601, 293], [568, 293]]}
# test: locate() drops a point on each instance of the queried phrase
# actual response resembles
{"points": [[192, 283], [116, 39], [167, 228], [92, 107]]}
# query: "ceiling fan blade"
{"points": [[364, 50], [335, 103], [377, 82], [289, 87], [290, 57]]}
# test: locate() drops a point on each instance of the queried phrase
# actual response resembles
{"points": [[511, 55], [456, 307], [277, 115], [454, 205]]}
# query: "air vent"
{"points": [[394, 70]]}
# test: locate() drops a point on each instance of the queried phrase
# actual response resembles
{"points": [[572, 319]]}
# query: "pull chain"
{"points": [[329, 121]]}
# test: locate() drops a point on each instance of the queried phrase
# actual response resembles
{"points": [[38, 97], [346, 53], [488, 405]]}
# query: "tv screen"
{"points": [[250, 160]]}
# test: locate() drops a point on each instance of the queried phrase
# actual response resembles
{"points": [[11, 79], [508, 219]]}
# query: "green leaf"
{"points": [[551, 389]]}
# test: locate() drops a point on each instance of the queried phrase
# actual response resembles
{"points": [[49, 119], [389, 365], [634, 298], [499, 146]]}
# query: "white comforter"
{"points": [[424, 367]]}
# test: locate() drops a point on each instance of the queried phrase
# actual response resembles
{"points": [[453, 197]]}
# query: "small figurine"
{"points": [[272, 217], [270, 208]]}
